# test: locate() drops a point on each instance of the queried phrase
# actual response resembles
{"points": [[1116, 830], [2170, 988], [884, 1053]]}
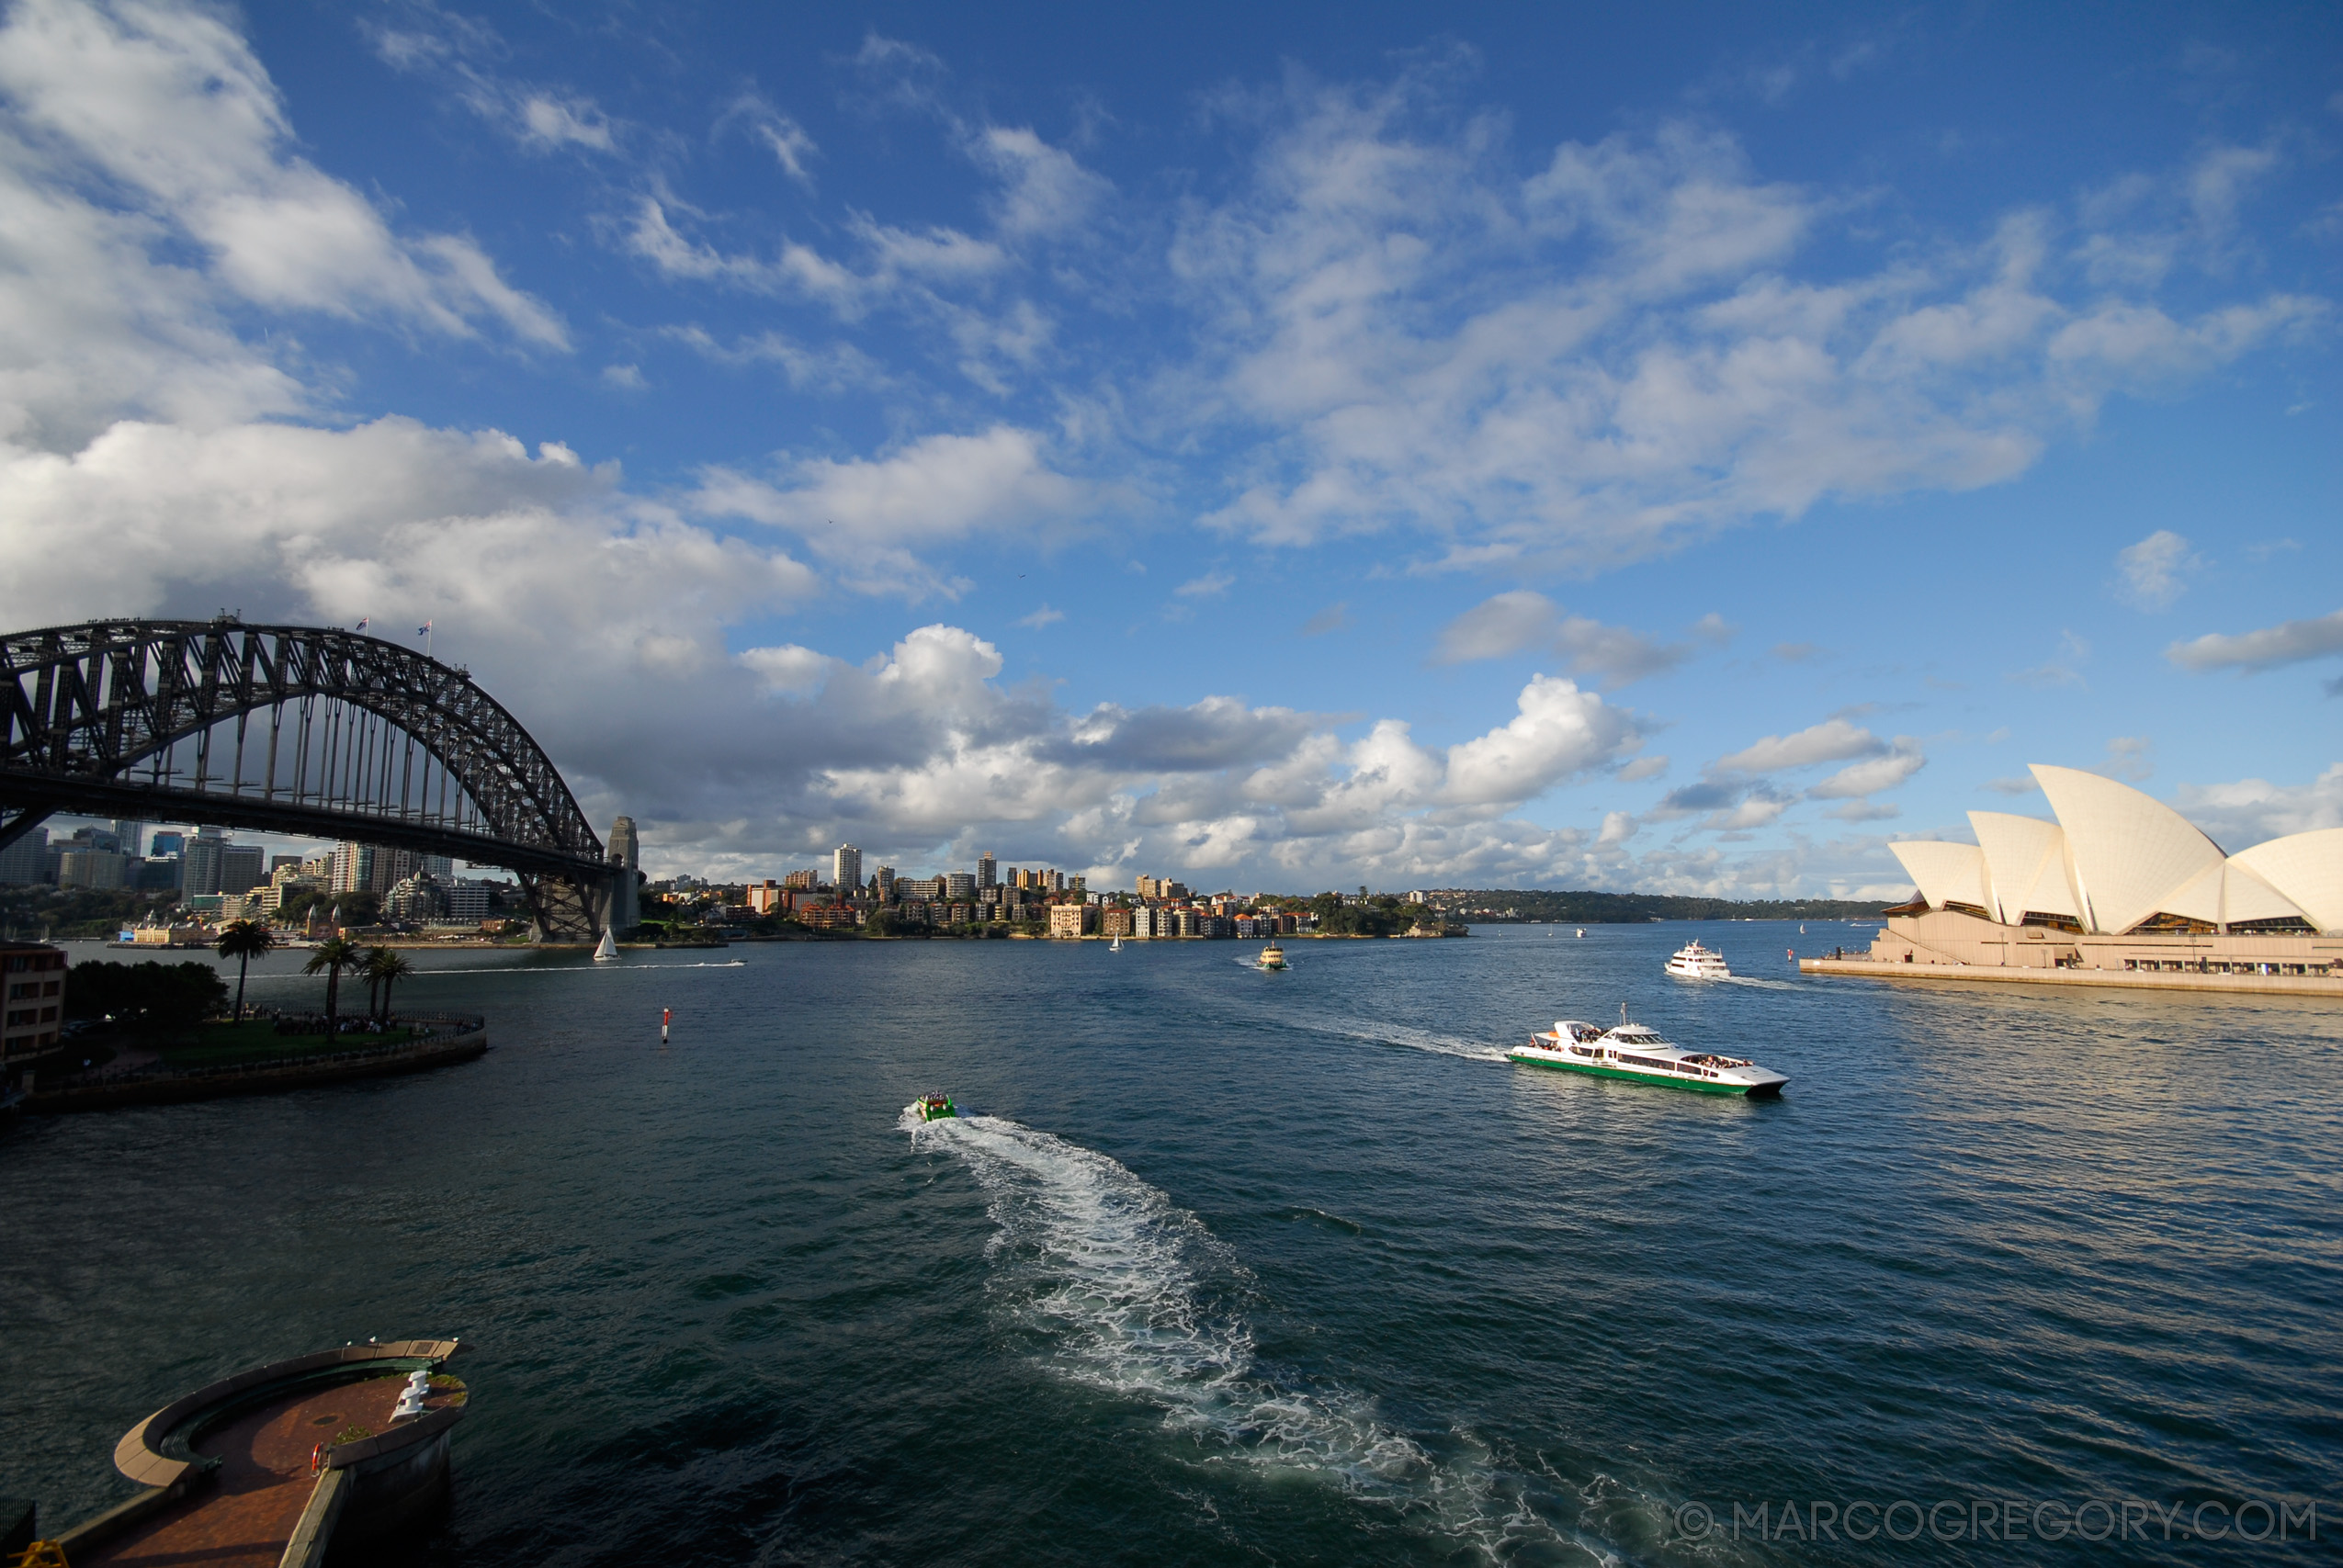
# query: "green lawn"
{"points": [[223, 1044]]}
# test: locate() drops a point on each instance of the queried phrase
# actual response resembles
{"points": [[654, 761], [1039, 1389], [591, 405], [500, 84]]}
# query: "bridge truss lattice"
{"points": [[303, 730]]}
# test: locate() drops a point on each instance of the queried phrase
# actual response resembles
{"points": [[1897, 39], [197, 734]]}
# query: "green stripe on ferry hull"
{"points": [[1698, 1085]]}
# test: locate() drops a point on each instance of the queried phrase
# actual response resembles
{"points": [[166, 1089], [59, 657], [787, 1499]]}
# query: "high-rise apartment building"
{"points": [[26, 862], [988, 871], [240, 868], [959, 886], [201, 858], [353, 868], [846, 868]]}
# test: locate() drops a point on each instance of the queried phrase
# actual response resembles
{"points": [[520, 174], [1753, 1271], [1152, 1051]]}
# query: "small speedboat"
{"points": [[1272, 957], [1635, 1052], [933, 1107], [1693, 962]]}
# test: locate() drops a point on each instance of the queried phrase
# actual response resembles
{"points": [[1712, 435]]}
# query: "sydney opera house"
{"points": [[2120, 889]]}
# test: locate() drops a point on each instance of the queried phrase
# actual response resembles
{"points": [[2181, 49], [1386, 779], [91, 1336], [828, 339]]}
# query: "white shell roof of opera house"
{"points": [[2116, 857]]}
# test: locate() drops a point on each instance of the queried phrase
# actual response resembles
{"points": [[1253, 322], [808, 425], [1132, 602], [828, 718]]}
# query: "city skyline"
{"points": [[1286, 451]]}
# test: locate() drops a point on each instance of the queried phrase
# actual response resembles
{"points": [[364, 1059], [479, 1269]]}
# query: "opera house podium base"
{"points": [[1946, 944]]}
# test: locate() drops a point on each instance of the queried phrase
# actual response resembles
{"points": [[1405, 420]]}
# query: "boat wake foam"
{"points": [[1118, 1288], [1760, 981], [1417, 1040]]}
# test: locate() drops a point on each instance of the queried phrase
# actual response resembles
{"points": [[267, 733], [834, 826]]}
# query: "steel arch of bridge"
{"points": [[300, 729]]}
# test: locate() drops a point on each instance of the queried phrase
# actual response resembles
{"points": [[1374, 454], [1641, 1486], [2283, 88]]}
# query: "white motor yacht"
{"points": [[1693, 962]]}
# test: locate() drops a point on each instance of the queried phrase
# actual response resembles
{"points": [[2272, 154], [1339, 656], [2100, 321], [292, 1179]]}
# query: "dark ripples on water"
{"points": [[1292, 1267]]}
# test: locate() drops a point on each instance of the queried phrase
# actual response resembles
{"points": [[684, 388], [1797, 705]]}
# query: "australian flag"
{"points": [[362, 623]]}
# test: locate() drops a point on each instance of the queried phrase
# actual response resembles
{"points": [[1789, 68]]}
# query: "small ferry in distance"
{"points": [[933, 1107], [1272, 957], [1636, 1053], [1693, 962]]}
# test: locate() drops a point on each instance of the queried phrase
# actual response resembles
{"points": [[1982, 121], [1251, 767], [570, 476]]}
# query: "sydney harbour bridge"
{"points": [[304, 730]]}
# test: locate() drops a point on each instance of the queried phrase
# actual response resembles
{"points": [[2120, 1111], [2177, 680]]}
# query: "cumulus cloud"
{"points": [[2288, 642], [2151, 570], [1523, 620], [2245, 813]]}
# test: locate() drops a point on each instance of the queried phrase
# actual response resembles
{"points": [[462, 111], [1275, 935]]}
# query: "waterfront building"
{"points": [[34, 972], [1117, 922], [1072, 919], [2119, 885], [847, 867], [466, 901], [415, 897]]}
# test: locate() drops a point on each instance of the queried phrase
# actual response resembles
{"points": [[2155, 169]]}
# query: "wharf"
{"points": [[261, 1468]]}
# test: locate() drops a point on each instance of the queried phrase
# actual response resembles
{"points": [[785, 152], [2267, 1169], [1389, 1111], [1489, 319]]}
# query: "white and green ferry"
{"points": [[1636, 1053]]}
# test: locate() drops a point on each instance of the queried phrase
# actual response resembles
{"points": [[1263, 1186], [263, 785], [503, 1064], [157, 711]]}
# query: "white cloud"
{"points": [[1211, 585], [169, 109], [2288, 642], [1520, 620], [2241, 814], [1867, 778], [2151, 569], [1044, 617], [1611, 355], [550, 122], [1558, 732], [869, 516], [1832, 740]]}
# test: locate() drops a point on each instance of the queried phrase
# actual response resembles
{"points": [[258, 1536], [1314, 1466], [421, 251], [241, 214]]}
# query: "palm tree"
{"points": [[371, 967], [333, 956], [244, 940], [384, 966]]}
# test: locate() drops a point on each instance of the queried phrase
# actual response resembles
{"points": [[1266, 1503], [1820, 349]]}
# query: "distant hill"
{"points": [[1499, 906]]}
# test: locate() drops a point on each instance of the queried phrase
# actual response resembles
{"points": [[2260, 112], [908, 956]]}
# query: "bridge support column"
{"points": [[562, 910]]}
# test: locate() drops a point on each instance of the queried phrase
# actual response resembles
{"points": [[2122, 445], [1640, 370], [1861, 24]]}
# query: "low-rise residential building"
{"points": [[1072, 919], [1117, 922]]}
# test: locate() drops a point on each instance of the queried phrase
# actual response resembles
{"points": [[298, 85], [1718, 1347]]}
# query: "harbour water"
{"points": [[1231, 1266]]}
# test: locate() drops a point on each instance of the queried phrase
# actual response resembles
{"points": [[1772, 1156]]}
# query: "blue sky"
{"points": [[1290, 447]]}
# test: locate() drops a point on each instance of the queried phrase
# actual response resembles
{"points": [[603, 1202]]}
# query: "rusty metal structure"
{"points": [[307, 730]]}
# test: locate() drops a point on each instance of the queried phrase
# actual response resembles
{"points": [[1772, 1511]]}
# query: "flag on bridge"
{"points": [[362, 621], [424, 630]]}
